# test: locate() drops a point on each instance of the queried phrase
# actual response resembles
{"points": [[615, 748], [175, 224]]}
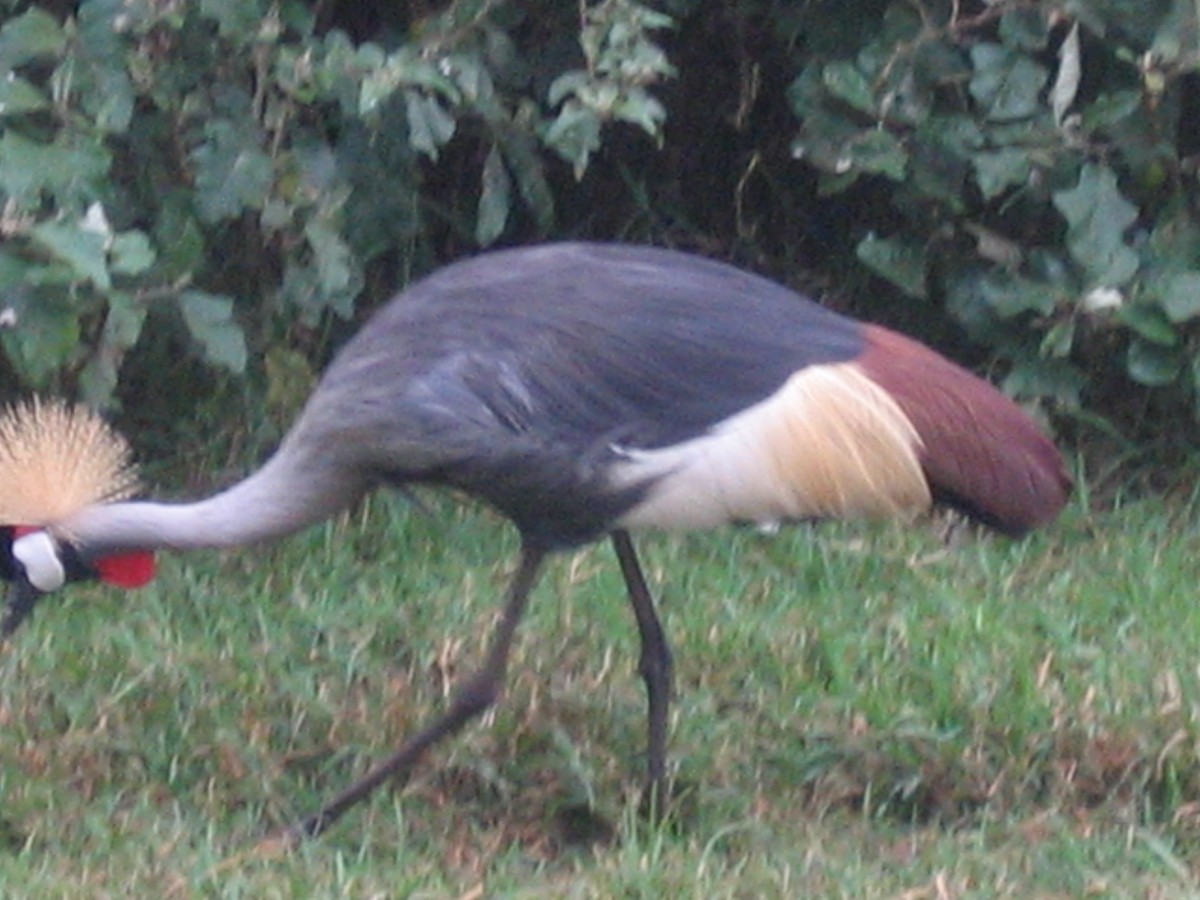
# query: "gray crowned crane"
{"points": [[583, 391]]}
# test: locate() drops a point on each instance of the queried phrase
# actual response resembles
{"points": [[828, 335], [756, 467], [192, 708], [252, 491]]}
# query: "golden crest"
{"points": [[57, 459]]}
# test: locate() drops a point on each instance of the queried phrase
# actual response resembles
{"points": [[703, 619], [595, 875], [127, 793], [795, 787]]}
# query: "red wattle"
{"points": [[129, 570]]}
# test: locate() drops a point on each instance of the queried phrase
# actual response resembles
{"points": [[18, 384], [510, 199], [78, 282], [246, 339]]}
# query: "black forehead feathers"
{"points": [[76, 569], [7, 564]]}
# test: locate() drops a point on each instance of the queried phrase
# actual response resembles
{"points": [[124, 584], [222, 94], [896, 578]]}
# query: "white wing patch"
{"points": [[830, 443]]}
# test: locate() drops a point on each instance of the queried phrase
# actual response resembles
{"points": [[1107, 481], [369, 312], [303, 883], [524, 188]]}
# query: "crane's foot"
{"points": [[278, 844], [284, 840]]}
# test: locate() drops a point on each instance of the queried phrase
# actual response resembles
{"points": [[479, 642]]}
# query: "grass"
{"points": [[861, 712]]}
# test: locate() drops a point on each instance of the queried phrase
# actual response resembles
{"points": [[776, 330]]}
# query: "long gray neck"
{"points": [[291, 491]]}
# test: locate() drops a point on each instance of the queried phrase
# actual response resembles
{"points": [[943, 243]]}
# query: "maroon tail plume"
{"points": [[981, 453]]}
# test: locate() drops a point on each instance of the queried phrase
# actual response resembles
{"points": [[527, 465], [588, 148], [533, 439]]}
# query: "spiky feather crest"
{"points": [[57, 459]]}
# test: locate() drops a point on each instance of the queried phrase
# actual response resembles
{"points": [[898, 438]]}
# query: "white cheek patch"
{"points": [[38, 553]]}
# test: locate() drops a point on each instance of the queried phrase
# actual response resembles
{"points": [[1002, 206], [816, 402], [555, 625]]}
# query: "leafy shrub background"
{"points": [[200, 196], [1039, 166]]}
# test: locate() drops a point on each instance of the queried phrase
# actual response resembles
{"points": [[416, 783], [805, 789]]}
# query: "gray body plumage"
{"points": [[522, 376], [528, 377]]}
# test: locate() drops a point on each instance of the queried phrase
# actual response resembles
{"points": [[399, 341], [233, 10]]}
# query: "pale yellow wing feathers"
{"points": [[830, 443], [843, 447], [57, 459]]}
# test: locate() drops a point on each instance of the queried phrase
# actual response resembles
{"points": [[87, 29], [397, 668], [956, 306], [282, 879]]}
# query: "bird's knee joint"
{"points": [[476, 696]]}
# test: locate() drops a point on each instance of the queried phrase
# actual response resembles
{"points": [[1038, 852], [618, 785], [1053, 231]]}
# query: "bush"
{"points": [[1039, 166], [214, 174], [230, 180]]}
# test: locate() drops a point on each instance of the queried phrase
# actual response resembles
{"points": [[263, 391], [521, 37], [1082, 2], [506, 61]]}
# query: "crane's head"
{"points": [[56, 460]]}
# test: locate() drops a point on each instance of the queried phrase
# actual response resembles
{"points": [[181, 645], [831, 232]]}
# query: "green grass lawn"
{"points": [[861, 712]]}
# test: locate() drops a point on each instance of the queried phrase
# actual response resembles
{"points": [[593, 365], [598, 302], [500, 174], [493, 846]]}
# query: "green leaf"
{"points": [[81, 249], [375, 90], [822, 143], [1195, 373], [1006, 83], [847, 83], [806, 94], [178, 236], [96, 69], [997, 172], [1025, 29], [1149, 322], [1055, 378], [28, 168], [837, 145], [936, 173], [568, 84], [526, 166], [429, 124], [830, 184], [1059, 339], [409, 67], [1181, 296], [1153, 365], [110, 100], [1010, 295], [1108, 110], [209, 319], [337, 270], [44, 337], [18, 96], [123, 324], [575, 135], [471, 76], [329, 279], [122, 328], [238, 20], [131, 253], [31, 35], [959, 134], [13, 271], [639, 108], [1035, 133], [232, 173], [1097, 216], [1178, 34], [878, 152], [495, 199], [384, 209], [901, 262], [908, 97]]}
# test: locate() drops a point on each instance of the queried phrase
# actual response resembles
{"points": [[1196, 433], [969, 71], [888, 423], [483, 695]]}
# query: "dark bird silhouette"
{"points": [[582, 390]]}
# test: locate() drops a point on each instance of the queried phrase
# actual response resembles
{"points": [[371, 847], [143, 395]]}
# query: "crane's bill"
{"points": [[22, 598]]}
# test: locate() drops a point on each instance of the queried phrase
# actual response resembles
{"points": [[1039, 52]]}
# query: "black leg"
{"points": [[654, 665], [475, 695]]}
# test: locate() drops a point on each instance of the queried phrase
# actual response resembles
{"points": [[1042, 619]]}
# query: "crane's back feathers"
{"points": [[576, 386], [56, 460]]}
